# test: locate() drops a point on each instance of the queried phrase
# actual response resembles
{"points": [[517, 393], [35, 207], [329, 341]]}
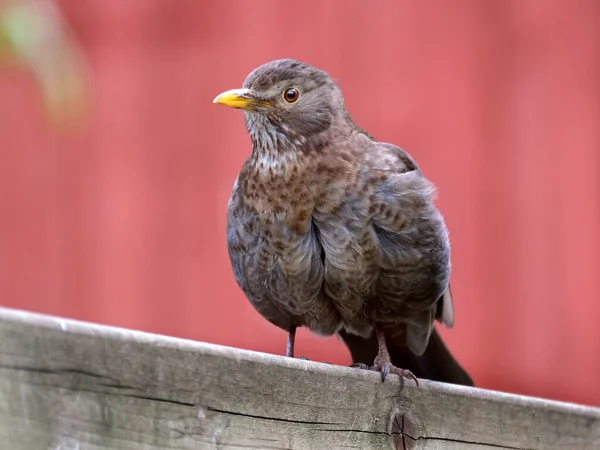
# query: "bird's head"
{"points": [[287, 103]]}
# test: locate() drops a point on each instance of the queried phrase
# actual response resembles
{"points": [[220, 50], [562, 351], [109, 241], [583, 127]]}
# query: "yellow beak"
{"points": [[239, 98]]}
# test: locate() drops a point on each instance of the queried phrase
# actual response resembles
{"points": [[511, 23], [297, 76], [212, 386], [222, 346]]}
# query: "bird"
{"points": [[332, 230]]}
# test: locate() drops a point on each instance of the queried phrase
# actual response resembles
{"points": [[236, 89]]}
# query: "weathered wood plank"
{"points": [[71, 385]]}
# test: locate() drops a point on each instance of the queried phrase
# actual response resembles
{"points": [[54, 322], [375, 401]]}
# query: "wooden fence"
{"points": [[72, 385]]}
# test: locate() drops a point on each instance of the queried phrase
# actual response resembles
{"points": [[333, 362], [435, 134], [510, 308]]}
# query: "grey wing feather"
{"points": [[414, 250], [408, 161]]}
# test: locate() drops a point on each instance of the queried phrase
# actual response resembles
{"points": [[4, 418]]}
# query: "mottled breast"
{"points": [[275, 251]]}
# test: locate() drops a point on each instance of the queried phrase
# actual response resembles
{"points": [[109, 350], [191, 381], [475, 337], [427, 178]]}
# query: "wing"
{"points": [[405, 162], [413, 246]]}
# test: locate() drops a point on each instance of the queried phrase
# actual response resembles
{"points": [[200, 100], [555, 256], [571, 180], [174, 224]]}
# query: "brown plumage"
{"points": [[329, 229]]}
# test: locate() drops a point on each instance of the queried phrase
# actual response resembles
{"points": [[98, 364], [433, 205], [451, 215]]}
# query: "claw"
{"points": [[408, 375], [384, 365], [385, 369], [360, 366]]}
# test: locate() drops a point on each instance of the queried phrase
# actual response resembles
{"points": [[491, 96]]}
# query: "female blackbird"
{"points": [[329, 229]]}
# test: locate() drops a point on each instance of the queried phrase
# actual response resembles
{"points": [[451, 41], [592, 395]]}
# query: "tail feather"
{"points": [[437, 363]]}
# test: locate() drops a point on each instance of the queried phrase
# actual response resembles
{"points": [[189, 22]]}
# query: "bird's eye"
{"points": [[291, 95]]}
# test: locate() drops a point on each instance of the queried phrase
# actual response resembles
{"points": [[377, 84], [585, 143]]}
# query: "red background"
{"points": [[499, 102]]}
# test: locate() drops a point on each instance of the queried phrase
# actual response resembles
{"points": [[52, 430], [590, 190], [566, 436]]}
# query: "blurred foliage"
{"points": [[34, 34]]}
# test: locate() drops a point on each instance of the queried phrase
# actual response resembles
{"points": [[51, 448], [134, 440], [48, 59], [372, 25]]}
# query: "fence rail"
{"points": [[72, 385]]}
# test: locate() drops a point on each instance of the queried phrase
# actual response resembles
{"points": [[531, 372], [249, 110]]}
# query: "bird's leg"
{"points": [[383, 363], [289, 351]]}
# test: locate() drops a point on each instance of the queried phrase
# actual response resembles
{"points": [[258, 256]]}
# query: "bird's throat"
{"points": [[272, 155]]}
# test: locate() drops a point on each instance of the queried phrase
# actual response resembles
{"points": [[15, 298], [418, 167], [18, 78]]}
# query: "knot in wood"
{"points": [[404, 431]]}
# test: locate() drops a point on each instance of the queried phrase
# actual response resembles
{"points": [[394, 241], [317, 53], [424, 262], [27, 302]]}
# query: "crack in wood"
{"points": [[156, 399], [277, 419], [116, 385]]}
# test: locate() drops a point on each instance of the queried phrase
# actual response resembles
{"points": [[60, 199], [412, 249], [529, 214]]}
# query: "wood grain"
{"points": [[71, 385]]}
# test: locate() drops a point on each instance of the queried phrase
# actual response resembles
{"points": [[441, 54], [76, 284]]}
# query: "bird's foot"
{"points": [[385, 368], [360, 366], [383, 362]]}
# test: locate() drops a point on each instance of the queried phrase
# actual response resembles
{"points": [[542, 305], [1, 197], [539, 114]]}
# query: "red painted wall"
{"points": [[499, 102]]}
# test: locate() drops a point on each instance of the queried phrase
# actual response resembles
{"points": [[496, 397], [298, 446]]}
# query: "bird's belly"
{"points": [[351, 266], [281, 273]]}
